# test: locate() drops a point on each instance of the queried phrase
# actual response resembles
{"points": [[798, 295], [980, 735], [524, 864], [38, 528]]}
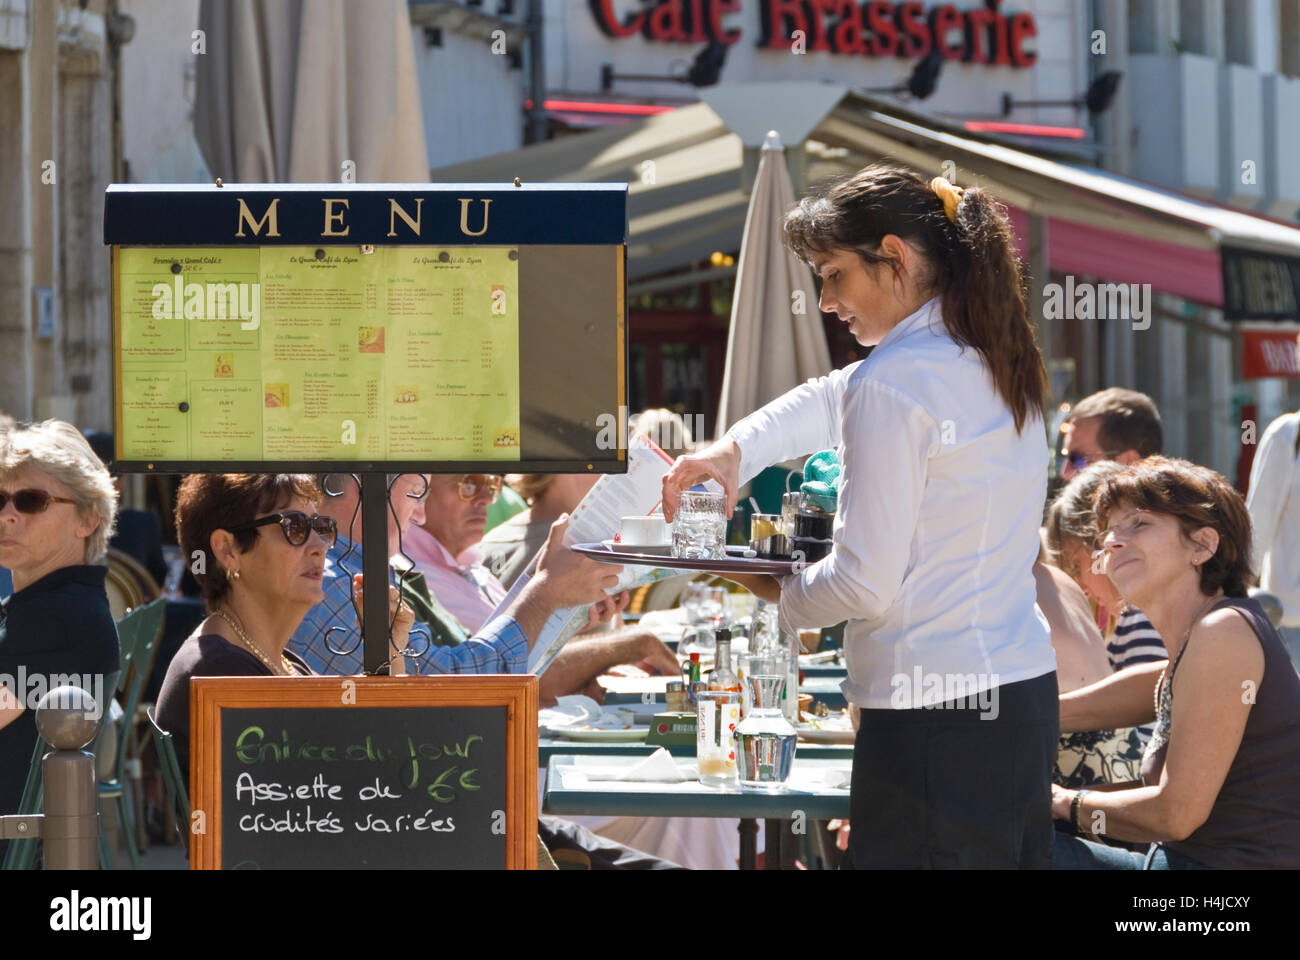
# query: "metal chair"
{"points": [[178, 797], [138, 634]]}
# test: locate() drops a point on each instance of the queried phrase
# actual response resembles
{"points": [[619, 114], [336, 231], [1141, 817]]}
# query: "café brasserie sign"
{"points": [[878, 28]]}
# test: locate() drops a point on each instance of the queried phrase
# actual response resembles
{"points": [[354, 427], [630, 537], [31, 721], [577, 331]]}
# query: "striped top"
{"points": [[1135, 641]]}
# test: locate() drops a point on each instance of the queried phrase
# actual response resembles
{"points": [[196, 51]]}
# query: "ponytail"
{"points": [[985, 304], [966, 238]]}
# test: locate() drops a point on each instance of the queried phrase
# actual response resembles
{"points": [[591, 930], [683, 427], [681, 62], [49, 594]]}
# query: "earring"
{"points": [[232, 575]]}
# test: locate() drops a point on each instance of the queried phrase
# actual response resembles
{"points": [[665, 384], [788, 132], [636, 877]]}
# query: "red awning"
{"points": [[1118, 257]]}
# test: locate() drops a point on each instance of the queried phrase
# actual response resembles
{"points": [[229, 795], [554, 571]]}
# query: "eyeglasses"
{"points": [[471, 485], [1125, 529], [296, 526], [31, 501]]}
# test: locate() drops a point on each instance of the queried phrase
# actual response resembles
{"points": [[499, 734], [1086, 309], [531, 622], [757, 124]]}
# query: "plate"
{"points": [[631, 735], [663, 550], [815, 735]]}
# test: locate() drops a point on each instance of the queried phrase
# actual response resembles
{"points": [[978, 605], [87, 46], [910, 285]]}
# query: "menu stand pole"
{"points": [[374, 568]]}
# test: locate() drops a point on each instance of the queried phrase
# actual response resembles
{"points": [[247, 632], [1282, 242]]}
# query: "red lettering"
{"points": [[943, 20], [816, 8], [978, 24], [603, 11], [910, 18], [780, 19], [1022, 25], [847, 37], [695, 20], [716, 30], [665, 23], [1001, 45], [884, 34]]}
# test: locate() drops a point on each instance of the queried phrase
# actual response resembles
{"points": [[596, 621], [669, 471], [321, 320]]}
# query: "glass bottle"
{"points": [[765, 738], [723, 676]]}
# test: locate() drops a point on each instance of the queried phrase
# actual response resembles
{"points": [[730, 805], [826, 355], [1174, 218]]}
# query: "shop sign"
{"points": [[981, 34]]}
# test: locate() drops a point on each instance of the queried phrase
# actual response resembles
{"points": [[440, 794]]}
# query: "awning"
{"points": [[687, 168]]}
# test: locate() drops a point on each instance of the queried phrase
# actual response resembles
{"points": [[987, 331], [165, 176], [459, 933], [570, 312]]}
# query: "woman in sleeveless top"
{"points": [[1221, 776]]}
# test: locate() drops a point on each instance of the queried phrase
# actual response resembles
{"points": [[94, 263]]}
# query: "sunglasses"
{"points": [[472, 485], [31, 501], [296, 526], [1081, 461]]}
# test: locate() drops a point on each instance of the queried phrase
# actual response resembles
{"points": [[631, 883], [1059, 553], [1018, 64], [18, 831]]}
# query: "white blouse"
{"points": [[936, 531]]}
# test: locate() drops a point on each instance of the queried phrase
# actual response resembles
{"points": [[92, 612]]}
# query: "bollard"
{"points": [[68, 718]]}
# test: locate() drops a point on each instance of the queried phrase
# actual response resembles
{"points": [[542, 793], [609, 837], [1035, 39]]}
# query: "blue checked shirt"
{"points": [[329, 641]]}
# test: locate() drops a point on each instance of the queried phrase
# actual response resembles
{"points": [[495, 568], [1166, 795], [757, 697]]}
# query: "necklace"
{"points": [[256, 651], [1186, 637]]}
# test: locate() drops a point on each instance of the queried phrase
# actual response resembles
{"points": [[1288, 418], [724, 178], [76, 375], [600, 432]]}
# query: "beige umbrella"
{"points": [[776, 340], [291, 90]]}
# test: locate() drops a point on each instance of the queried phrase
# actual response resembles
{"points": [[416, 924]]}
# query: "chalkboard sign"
{"points": [[364, 772]]}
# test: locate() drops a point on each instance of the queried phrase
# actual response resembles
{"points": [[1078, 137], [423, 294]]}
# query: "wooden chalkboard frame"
{"points": [[518, 694]]}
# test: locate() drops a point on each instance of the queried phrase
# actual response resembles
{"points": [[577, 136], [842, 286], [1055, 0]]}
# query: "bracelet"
{"points": [[1074, 810]]}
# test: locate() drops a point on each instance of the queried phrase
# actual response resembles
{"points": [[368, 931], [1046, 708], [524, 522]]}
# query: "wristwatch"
{"points": [[1074, 810]]}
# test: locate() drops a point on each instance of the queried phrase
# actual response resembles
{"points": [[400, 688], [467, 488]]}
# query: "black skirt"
{"points": [[960, 785]]}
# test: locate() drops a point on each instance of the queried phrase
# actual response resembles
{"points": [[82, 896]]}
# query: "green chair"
{"points": [[21, 854], [173, 777], [138, 634]]}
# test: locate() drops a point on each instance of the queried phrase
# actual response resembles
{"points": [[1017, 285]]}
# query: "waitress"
{"points": [[944, 474]]}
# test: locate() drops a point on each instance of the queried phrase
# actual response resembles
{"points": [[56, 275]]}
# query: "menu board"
{"points": [[311, 354], [410, 773]]}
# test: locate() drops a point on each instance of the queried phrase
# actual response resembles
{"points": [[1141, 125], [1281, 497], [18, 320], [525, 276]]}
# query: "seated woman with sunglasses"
{"points": [[1221, 775], [262, 547], [57, 504]]}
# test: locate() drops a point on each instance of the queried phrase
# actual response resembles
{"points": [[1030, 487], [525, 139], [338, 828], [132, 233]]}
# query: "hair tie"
{"points": [[950, 194]]}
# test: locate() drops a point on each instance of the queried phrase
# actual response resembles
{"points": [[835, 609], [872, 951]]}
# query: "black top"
{"points": [[204, 655], [61, 624], [1255, 821]]}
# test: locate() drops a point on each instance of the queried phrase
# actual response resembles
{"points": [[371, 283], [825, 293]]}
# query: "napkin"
{"points": [[577, 710], [821, 486], [838, 779], [659, 767]]}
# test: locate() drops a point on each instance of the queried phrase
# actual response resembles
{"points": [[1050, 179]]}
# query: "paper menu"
{"points": [[618, 495], [299, 353], [598, 517]]}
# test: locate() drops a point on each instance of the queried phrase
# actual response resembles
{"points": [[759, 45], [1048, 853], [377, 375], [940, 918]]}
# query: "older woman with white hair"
{"points": [[57, 504]]}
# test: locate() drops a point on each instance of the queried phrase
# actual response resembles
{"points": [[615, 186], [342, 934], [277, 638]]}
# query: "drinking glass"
{"points": [[766, 739], [717, 714], [700, 526], [692, 596], [713, 608]]}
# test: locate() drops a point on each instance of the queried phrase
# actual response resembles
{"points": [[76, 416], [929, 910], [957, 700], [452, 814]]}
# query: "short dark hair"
{"points": [[1129, 420], [1196, 497], [208, 502]]}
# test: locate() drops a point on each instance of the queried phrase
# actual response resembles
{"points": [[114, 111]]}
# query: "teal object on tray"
{"points": [[821, 480]]}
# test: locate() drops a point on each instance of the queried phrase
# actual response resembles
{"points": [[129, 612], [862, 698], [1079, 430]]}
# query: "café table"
{"points": [[548, 747], [624, 690], [817, 790]]}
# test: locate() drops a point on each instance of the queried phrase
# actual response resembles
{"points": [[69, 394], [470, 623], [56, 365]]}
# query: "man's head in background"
{"points": [[1113, 424], [342, 501], [456, 512]]}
